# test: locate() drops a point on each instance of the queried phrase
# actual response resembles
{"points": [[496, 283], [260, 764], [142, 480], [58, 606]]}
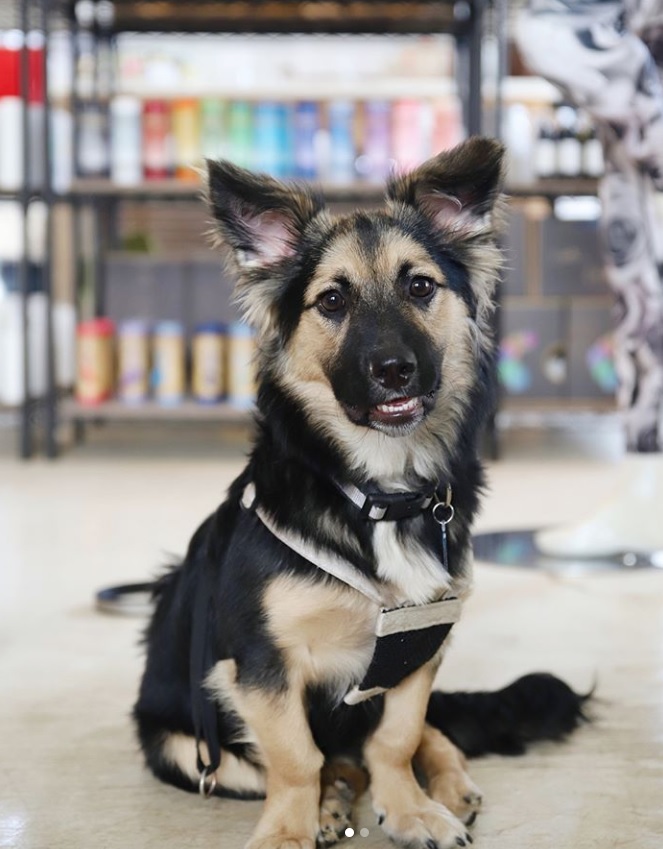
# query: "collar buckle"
{"points": [[393, 506]]}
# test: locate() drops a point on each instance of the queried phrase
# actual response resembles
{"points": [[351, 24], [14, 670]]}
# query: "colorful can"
{"points": [[376, 160], [306, 129], [95, 361], [266, 139], [208, 363], [241, 346], [157, 140], [406, 129], [341, 132], [240, 134], [133, 357], [168, 362], [212, 128], [186, 134]]}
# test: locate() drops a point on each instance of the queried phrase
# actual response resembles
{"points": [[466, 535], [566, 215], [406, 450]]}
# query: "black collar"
{"points": [[392, 506]]}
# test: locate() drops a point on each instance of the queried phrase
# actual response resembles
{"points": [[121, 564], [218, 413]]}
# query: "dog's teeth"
{"points": [[399, 406]]}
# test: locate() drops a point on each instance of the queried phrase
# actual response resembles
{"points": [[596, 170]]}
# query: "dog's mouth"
{"points": [[396, 417], [397, 412]]}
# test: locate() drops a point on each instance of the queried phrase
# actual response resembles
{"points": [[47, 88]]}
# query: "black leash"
{"points": [[203, 709]]}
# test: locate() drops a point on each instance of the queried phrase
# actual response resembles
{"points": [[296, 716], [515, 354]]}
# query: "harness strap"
{"points": [[332, 563], [203, 709]]}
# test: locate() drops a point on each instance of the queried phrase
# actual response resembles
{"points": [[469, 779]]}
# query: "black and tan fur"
{"points": [[352, 313]]}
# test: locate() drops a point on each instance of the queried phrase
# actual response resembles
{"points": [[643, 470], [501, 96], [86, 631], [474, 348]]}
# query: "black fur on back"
{"points": [[538, 706]]}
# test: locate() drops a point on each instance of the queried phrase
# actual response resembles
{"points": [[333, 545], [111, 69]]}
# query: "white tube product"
{"points": [[64, 343], [37, 302], [12, 357], [11, 112], [12, 383], [126, 165]]}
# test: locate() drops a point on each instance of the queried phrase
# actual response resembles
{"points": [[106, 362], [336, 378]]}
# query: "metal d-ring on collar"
{"points": [[443, 511]]}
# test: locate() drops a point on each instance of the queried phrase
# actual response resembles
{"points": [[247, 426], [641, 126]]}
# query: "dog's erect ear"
{"points": [[258, 217], [457, 189]]}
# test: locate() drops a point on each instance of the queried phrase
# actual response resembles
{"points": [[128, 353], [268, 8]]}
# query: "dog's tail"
{"points": [[536, 707]]}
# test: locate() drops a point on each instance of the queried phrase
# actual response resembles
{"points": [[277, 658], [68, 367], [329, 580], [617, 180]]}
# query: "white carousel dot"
{"points": [[364, 832], [349, 832]]}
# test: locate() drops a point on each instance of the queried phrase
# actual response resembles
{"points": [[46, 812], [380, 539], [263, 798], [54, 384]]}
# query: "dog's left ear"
{"points": [[456, 190], [259, 218]]}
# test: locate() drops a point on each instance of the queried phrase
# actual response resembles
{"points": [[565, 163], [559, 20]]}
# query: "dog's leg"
{"points": [[444, 768], [290, 817], [343, 782], [405, 812]]}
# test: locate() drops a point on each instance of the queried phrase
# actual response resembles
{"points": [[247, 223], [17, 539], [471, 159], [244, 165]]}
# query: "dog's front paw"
{"points": [[281, 841], [457, 792], [428, 826]]}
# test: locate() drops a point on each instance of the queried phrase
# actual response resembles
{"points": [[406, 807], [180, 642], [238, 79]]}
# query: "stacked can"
{"points": [[208, 363], [241, 369], [95, 372], [133, 354], [169, 363]]}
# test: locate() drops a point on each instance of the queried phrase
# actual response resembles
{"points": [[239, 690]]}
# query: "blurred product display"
{"points": [[135, 362], [134, 114]]}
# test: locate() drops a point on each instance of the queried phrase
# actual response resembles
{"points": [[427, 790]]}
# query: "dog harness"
{"points": [[406, 637]]}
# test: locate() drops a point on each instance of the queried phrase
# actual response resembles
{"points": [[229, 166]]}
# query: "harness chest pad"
{"points": [[406, 639]]}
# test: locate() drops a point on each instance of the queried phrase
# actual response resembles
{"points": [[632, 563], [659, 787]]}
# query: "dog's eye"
{"points": [[331, 301], [421, 287]]}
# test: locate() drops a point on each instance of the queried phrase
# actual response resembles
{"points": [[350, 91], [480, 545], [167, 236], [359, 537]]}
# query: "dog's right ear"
{"points": [[259, 218]]}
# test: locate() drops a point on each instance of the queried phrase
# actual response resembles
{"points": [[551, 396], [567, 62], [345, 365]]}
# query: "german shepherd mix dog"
{"points": [[309, 615]]}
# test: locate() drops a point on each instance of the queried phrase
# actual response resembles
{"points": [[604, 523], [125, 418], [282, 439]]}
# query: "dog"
{"points": [[292, 653]]}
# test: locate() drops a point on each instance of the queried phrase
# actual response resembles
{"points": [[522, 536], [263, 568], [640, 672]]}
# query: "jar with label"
{"points": [[95, 361], [133, 352], [241, 345], [208, 363], [168, 362]]}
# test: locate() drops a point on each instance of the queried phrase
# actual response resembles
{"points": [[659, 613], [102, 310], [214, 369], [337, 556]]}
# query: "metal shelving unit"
{"points": [[463, 19], [26, 15]]}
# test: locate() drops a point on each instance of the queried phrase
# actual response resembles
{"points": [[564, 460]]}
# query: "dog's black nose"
{"points": [[392, 372]]}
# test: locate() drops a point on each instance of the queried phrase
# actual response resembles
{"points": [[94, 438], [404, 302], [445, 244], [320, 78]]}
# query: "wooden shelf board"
{"points": [[188, 410]]}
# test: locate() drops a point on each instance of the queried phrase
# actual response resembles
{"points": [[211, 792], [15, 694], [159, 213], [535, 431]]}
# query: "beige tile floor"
{"points": [[70, 774]]}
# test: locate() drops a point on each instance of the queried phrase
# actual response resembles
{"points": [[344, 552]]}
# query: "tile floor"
{"points": [[70, 775]]}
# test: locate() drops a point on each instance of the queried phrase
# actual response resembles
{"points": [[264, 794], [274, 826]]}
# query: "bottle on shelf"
{"points": [[126, 144], [36, 112], [306, 128], [240, 133], [186, 136], [212, 127], [267, 139], [11, 111], [342, 144], [569, 146], [545, 151], [375, 162], [157, 140], [406, 133], [593, 164]]}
